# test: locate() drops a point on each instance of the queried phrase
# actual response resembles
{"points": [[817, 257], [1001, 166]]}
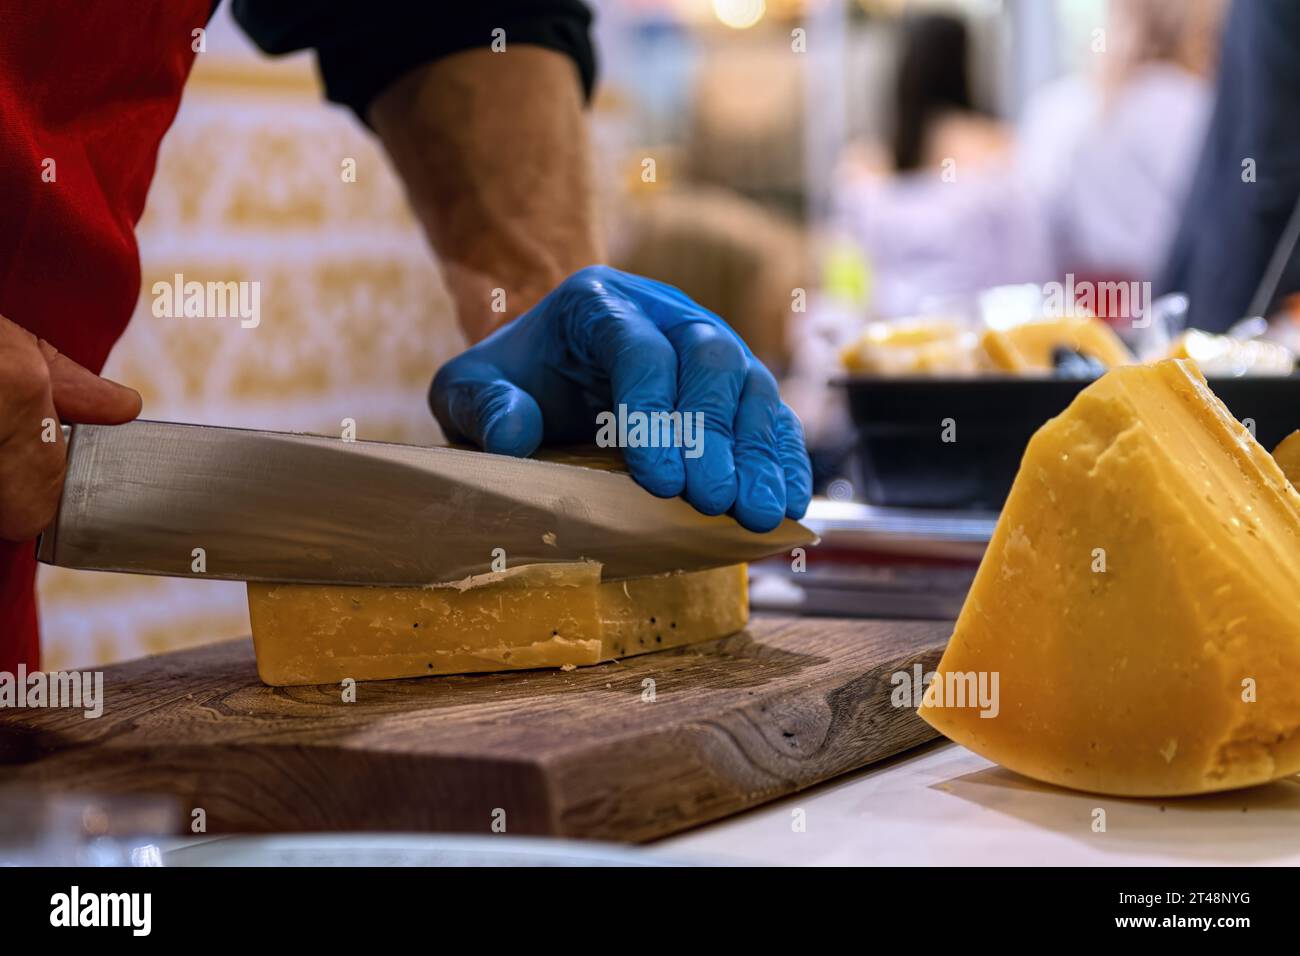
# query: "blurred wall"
{"points": [[354, 316]]}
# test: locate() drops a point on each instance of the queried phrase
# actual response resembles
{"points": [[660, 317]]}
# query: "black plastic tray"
{"points": [[900, 461]]}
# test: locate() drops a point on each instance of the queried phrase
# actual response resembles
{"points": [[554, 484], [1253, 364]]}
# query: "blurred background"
{"points": [[801, 167]]}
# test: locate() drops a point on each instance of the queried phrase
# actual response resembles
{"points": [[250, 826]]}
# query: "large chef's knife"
{"points": [[271, 506]]}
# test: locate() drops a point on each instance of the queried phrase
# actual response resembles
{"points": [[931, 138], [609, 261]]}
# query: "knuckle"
{"points": [[790, 426], [589, 276], [716, 351], [639, 353], [446, 376], [24, 377], [653, 351], [760, 384]]}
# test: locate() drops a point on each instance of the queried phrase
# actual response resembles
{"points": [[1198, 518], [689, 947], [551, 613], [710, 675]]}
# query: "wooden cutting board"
{"points": [[629, 750]]}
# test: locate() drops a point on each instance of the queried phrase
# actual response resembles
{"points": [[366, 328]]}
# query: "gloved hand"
{"points": [[604, 338]]}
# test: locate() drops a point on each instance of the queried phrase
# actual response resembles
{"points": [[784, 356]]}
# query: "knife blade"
{"points": [[144, 497]]}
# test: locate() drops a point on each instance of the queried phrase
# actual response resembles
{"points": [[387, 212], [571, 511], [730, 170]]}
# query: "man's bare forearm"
{"points": [[493, 148]]}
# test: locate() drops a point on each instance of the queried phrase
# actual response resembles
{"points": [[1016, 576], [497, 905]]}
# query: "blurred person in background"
{"points": [[1109, 155], [1247, 180], [1091, 184], [929, 208], [935, 117]]}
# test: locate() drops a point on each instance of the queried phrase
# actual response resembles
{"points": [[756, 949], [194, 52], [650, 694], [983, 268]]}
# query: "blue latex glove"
{"points": [[603, 338]]}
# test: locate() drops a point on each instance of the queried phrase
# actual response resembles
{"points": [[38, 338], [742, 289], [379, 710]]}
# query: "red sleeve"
{"points": [[87, 91]]}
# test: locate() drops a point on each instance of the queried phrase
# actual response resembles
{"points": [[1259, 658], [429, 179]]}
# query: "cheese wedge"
{"points": [[544, 615], [1029, 347], [1287, 456], [1135, 622]]}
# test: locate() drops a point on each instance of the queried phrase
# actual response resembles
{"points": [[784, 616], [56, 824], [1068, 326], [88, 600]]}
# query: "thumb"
{"points": [[473, 401], [82, 396]]}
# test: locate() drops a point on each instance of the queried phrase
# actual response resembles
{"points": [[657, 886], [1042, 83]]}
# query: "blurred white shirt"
{"points": [[1093, 187], [1110, 177]]}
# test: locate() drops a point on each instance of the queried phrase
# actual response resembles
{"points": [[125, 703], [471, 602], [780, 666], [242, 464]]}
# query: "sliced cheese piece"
{"points": [[1028, 347], [1135, 622], [546, 615], [1287, 456]]}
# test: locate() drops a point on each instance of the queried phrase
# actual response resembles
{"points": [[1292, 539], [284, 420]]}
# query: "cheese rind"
{"points": [[539, 616], [1139, 602], [648, 614]]}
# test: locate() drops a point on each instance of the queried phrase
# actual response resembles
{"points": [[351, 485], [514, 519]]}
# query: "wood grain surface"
{"points": [[786, 704]]}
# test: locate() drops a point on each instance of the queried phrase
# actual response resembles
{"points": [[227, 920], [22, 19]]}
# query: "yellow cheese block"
{"points": [[1028, 347], [1135, 623], [1287, 456], [544, 615]]}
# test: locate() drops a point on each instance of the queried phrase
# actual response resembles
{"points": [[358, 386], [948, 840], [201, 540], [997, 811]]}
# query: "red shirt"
{"points": [[87, 91]]}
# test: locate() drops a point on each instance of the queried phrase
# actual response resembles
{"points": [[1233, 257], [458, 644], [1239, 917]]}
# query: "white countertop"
{"points": [[943, 805], [938, 805]]}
